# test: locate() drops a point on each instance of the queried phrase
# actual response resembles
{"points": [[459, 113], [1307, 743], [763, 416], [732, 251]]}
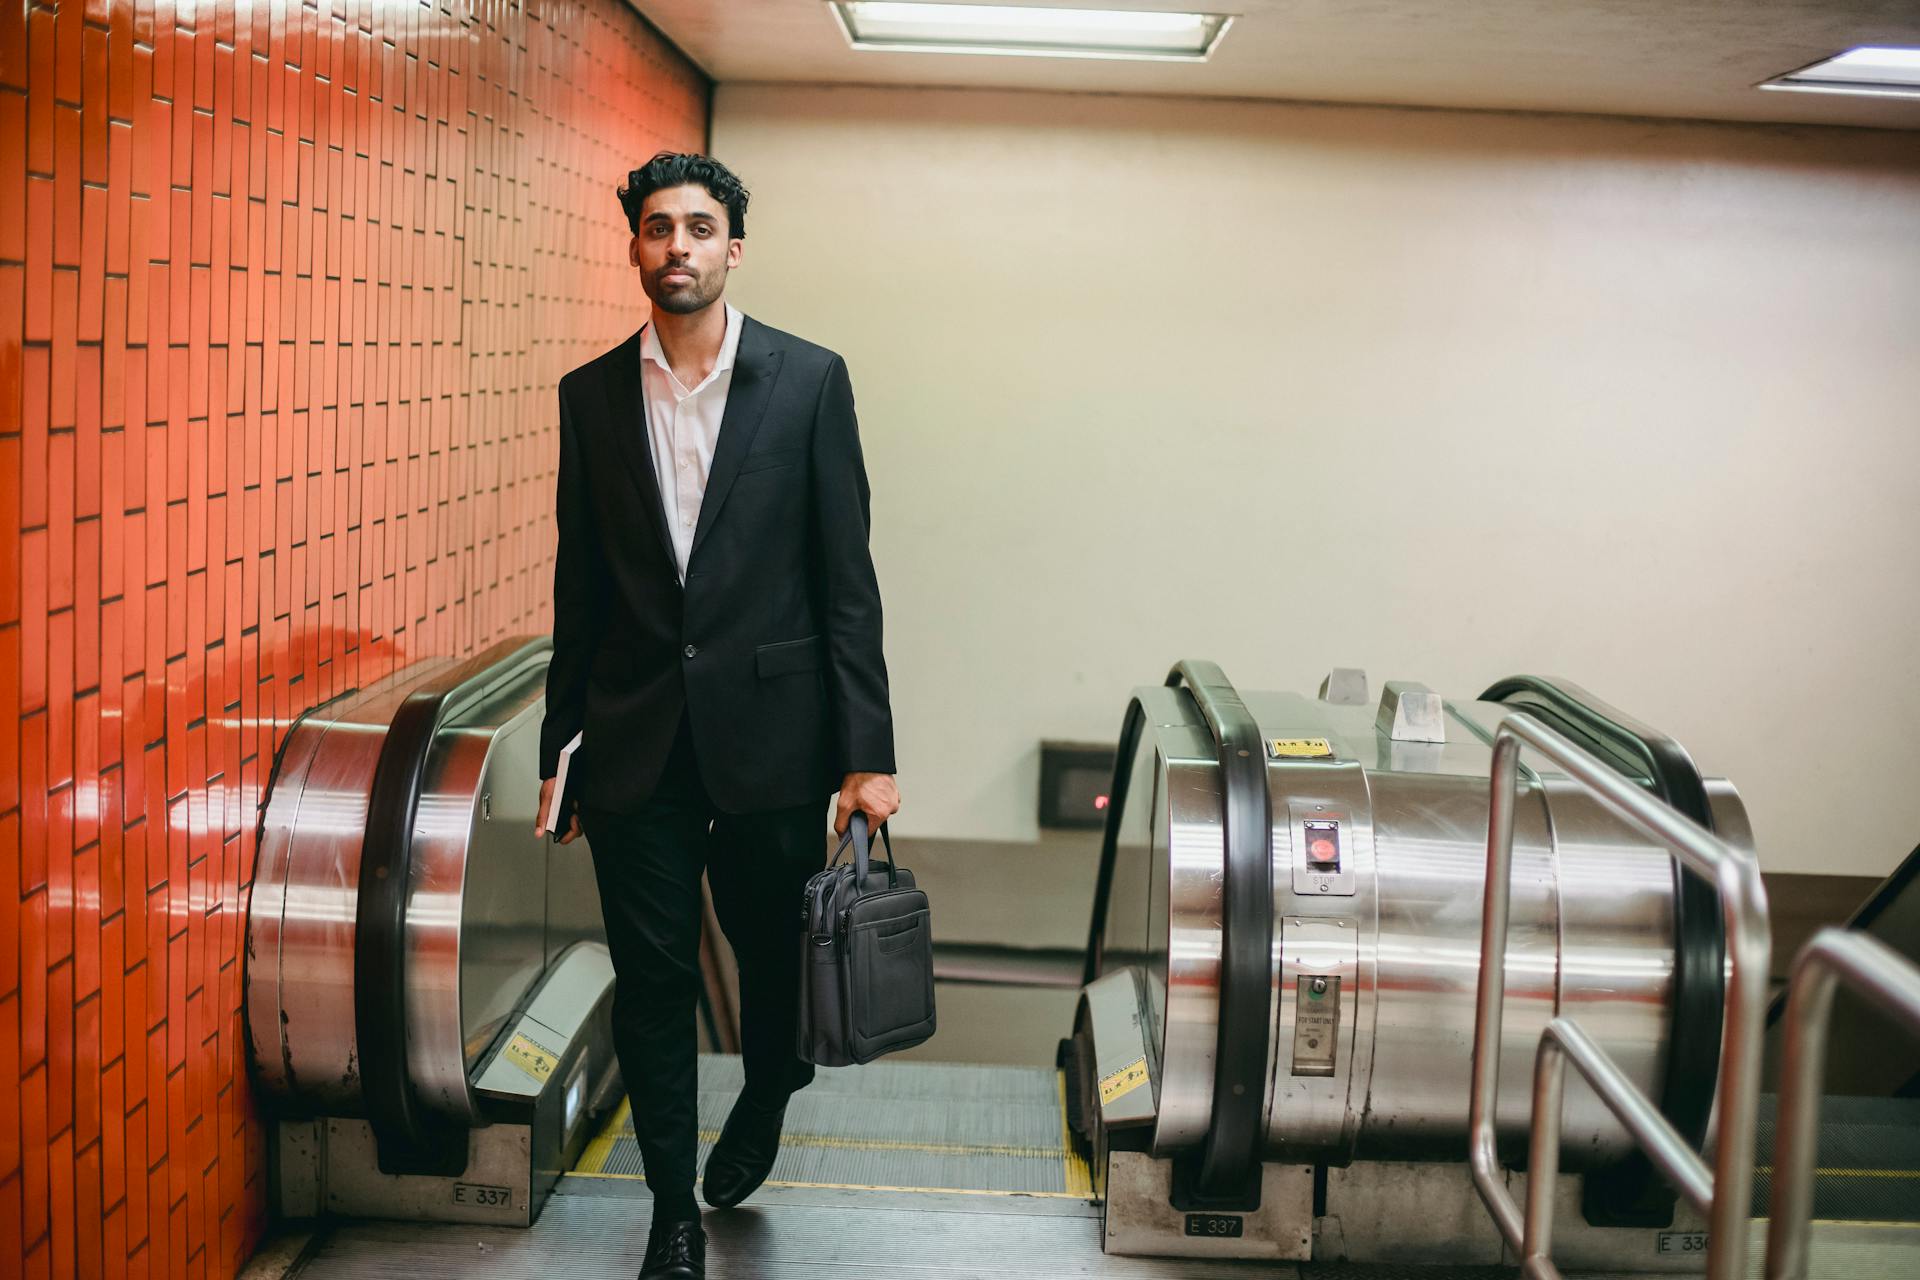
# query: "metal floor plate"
{"points": [[596, 1229], [783, 1233], [908, 1125], [903, 1169]]}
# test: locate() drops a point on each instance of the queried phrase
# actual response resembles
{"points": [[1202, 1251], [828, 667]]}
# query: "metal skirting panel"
{"points": [[779, 1235], [911, 1125]]}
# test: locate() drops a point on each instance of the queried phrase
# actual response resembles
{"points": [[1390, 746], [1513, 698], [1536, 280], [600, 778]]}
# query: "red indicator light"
{"points": [[1099, 802]]}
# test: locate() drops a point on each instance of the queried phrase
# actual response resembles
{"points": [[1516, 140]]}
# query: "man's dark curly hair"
{"points": [[677, 169]]}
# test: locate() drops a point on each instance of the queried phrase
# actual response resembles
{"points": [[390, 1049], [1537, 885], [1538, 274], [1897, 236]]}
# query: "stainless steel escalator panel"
{"points": [[1616, 954], [1416, 908], [480, 910], [299, 976], [476, 905], [1591, 932], [266, 922], [1187, 897], [488, 906]]}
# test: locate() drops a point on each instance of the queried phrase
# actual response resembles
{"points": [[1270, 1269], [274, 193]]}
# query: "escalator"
{"points": [[428, 995], [1268, 1064]]}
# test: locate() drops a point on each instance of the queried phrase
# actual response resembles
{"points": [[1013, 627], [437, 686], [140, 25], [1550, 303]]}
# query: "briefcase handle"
{"points": [[862, 843]]}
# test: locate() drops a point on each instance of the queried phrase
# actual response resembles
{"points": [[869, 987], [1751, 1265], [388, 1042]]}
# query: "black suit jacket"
{"points": [[773, 645]]}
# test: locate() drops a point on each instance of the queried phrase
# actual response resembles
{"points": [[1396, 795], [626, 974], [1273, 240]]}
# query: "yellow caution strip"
{"points": [[1850, 1173], [861, 1186], [594, 1158], [1079, 1182], [618, 1128], [884, 1144]]}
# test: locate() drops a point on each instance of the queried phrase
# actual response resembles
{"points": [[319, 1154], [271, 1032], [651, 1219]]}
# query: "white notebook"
{"points": [[560, 786]]}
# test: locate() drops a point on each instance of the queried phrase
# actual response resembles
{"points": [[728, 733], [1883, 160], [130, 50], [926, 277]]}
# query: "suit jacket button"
{"points": [[689, 651]]}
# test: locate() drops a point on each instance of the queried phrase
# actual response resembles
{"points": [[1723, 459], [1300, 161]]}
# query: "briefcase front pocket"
{"points": [[890, 981]]}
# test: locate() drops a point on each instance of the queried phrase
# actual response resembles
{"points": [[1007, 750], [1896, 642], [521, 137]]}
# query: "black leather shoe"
{"points": [[743, 1156], [675, 1251]]}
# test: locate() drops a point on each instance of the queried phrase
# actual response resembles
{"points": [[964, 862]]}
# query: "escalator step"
{"points": [[910, 1125], [1868, 1166]]}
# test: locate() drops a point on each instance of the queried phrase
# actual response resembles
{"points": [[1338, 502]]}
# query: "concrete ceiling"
{"points": [[1695, 59]]}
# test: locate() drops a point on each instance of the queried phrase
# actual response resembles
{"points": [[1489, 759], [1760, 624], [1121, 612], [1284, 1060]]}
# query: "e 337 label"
{"points": [[1221, 1226], [482, 1196]]}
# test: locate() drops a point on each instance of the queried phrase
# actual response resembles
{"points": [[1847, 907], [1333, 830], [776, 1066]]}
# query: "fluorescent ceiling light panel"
{"points": [[1872, 72], [1035, 32]]}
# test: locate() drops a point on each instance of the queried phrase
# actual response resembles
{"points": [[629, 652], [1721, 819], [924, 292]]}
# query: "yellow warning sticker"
{"points": [[531, 1057], [1301, 748], [1124, 1081]]}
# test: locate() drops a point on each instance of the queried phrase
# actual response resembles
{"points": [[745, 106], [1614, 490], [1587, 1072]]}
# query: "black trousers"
{"points": [[648, 865]]}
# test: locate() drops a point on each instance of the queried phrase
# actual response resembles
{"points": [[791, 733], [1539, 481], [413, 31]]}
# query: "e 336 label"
{"points": [[1681, 1242]]}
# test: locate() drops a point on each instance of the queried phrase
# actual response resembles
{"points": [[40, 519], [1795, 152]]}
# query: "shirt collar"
{"points": [[729, 345]]}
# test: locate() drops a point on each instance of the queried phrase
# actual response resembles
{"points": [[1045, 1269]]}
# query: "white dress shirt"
{"points": [[682, 427]]}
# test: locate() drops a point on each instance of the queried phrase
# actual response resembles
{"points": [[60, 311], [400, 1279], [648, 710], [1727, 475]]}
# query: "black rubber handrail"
{"points": [[1698, 1009], [410, 1137], [1898, 883], [1226, 1170]]}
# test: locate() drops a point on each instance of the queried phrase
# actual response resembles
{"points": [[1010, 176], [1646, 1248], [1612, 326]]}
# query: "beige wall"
{"points": [[1448, 396]]}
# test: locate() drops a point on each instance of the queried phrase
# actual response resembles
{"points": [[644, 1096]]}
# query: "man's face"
{"points": [[682, 251]]}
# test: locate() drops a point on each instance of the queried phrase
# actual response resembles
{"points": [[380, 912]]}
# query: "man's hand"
{"points": [[540, 814], [872, 794]]}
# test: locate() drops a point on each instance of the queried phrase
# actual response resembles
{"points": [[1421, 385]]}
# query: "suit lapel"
{"points": [[755, 365], [627, 419]]}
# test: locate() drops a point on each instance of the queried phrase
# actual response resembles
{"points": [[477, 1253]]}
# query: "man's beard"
{"points": [[704, 290]]}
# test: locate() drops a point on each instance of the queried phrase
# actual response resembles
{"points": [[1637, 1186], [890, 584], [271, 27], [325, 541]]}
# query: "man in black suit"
{"points": [[716, 643]]}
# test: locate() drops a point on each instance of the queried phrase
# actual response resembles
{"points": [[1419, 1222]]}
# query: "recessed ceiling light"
{"points": [[1873, 72], [1017, 29]]}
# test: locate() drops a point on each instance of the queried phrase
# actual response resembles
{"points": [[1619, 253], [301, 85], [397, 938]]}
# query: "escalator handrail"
{"points": [[408, 1135], [1895, 885], [1898, 882], [1230, 1154], [1698, 1007]]}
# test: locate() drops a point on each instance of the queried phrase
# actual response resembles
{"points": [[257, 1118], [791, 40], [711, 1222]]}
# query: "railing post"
{"points": [[1887, 980], [1722, 1195], [1495, 900], [1543, 1156]]}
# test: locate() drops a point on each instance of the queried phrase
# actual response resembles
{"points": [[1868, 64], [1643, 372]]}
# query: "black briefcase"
{"points": [[866, 957]]}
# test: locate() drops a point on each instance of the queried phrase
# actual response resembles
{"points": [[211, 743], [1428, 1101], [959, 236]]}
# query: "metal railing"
{"points": [[1722, 1194], [1887, 980]]}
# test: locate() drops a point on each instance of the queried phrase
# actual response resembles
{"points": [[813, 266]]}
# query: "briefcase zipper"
{"points": [[806, 922], [843, 920]]}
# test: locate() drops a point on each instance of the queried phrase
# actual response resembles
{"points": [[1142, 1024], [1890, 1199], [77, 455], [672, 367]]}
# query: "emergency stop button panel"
{"points": [[1323, 852]]}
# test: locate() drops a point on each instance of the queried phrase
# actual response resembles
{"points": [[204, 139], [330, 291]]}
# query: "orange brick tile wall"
{"points": [[284, 293]]}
